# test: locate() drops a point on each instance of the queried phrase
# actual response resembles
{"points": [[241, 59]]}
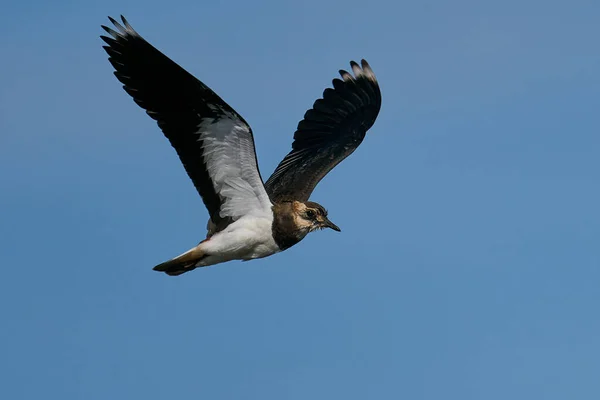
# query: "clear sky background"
{"points": [[468, 266]]}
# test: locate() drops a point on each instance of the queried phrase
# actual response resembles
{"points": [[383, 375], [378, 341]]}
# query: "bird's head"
{"points": [[310, 216]]}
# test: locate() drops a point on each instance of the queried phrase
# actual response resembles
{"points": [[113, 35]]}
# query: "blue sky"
{"points": [[468, 263]]}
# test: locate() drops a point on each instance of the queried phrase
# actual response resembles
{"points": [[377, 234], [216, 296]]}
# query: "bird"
{"points": [[248, 218]]}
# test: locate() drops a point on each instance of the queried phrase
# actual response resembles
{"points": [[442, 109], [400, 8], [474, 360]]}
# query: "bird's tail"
{"points": [[183, 263]]}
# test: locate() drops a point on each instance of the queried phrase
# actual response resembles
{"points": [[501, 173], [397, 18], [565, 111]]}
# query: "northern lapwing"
{"points": [[248, 218]]}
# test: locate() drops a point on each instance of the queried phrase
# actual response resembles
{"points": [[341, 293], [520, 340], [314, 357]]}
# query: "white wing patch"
{"points": [[228, 151]]}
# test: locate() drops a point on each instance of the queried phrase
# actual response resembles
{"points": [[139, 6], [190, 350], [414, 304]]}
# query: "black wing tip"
{"points": [[123, 30], [367, 68], [360, 79], [116, 23], [360, 71], [346, 76], [110, 31], [357, 90], [126, 23]]}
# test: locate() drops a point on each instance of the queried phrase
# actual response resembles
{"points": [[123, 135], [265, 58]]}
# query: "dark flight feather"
{"points": [[329, 132], [175, 99]]}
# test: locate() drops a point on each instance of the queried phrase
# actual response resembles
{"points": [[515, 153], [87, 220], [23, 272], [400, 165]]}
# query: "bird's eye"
{"points": [[310, 214]]}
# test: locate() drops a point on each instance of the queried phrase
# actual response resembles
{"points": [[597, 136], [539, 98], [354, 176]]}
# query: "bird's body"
{"points": [[245, 239], [248, 219]]}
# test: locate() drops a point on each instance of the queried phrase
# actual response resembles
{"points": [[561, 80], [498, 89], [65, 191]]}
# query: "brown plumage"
{"points": [[293, 220], [183, 263]]}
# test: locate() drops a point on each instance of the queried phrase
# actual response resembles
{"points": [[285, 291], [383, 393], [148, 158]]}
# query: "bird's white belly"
{"points": [[247, 238]]}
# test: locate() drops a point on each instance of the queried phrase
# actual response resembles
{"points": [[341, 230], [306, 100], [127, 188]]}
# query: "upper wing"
{"points": [[213, 141], [329, 132]]}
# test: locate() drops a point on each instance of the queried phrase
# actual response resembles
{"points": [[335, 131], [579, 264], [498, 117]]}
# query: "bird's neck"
{"points": [[286, 231]]}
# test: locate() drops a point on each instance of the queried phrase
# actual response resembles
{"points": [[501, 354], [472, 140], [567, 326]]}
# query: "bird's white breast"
{"points": [[247, 238]]}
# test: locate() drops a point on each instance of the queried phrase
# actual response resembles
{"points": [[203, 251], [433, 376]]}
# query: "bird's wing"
{"points": [[329, 133], [212, 140]]}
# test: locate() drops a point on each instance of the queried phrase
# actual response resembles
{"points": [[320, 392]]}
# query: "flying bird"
{"points": [[248, 219]]}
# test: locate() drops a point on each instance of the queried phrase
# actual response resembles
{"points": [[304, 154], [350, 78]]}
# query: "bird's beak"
{"points": [[328, 224]]}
